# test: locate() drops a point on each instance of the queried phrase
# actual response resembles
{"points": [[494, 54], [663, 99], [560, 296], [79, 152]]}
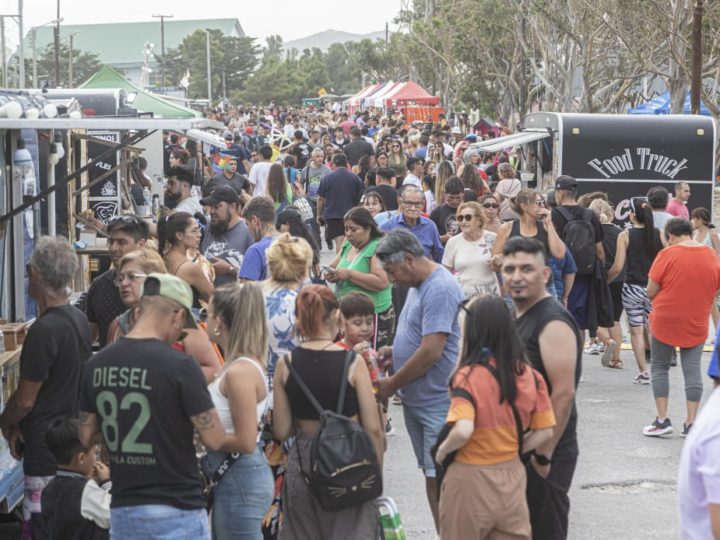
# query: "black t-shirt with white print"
{"points": [[144, 394]]}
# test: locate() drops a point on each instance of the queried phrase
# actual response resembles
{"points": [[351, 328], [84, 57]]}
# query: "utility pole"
{"points": [[70, 61], [56, 36], [162, 41], [696, 81], [21, 48]]}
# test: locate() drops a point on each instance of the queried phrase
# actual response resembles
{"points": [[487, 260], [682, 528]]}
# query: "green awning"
{"points": [[108, 77]]}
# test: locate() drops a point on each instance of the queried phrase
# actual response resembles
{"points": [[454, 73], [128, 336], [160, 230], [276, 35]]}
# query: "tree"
{"points": [[84, 64]]}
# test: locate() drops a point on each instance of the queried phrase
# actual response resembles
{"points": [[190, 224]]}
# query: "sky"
{"points": [[291, 19]]}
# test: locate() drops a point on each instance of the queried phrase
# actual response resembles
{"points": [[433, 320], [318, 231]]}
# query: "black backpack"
{"points": [[344, 469], [579, 237]]}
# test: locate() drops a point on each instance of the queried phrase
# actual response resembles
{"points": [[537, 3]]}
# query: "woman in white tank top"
{"points": [[236, 322]]}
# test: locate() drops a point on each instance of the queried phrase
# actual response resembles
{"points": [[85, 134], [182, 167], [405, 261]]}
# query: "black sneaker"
{"points": [[686, 429], [673, 360], [389, 429], [658, 429]]}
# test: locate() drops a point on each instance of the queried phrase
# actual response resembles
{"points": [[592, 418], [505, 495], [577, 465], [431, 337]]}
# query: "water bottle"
{"points": [[147, 201], [155, 208]]}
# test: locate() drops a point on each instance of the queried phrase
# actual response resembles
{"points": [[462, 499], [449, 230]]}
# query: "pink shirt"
{"points": [[677, 209]]}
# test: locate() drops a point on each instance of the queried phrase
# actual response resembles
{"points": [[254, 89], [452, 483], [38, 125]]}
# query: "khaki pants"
{"points": [[484, 501]]}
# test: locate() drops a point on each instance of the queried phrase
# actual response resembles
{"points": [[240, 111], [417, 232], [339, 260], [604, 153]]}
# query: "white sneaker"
{"points": [[593, 348]]}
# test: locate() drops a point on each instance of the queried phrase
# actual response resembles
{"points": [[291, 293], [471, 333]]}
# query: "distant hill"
{"points": [[323, 40]]}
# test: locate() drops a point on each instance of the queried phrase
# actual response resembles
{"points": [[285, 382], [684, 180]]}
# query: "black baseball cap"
{"points": [[565, 183], [221, 194]]}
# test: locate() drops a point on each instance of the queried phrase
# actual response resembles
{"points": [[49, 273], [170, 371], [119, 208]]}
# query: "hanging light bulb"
{"points": [[59, 145]]}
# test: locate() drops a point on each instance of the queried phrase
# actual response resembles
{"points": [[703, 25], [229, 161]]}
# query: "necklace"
{"points": [[321, 339]]}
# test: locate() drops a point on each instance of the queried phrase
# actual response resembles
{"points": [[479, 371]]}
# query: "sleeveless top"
{"points": [[541, 235], [638, 260], [322, 373], [195, 292], [223, 405]]}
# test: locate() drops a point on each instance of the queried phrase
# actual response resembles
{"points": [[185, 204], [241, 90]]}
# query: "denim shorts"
{"points": [[158, 521], [423, 424]]}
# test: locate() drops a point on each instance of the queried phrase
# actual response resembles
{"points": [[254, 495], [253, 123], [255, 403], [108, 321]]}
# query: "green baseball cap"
{"points": [[173, 288]]}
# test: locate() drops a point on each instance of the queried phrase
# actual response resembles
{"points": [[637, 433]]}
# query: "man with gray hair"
{"points": [[55, 349], [426, 345]]}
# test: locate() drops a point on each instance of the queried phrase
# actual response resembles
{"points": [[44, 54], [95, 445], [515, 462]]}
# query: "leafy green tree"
{"points": [[84, 64]]}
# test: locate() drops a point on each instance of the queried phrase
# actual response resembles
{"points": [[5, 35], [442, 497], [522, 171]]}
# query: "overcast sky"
{"points": [[291, 19]]}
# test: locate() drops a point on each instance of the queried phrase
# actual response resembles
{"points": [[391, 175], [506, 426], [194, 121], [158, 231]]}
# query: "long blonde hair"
{"points": [[242, 307]]}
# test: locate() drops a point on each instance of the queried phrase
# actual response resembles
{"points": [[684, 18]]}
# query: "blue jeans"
{"points": [[159, 522], [242, 497], [423, 424]]}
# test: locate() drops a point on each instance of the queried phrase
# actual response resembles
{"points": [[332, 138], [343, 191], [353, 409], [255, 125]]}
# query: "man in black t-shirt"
{"points": [[553, 344], [383, 178], [300, 150], [444, 215], [56, 345], [579, 300], [357, 148], [103, 303], [339, 191], [142, 399]]}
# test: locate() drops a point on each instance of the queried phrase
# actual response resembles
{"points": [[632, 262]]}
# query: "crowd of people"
{"points": [[225, 351]]}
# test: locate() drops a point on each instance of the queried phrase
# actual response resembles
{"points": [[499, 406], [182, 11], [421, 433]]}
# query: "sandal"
{"points": [[616, 365]]}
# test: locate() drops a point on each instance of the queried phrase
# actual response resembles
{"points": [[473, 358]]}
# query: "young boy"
{"points": [[76, 503], [358, 328]]}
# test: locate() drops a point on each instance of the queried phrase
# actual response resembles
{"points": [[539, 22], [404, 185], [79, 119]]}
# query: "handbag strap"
{"points": [[223, 468], [343, 385]]}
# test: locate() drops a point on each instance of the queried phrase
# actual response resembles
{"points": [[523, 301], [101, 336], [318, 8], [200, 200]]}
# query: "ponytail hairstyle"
{"points": [[168, 227], [642, 210], [242, 307], [314, 307], [524, 196], [703, 215]]}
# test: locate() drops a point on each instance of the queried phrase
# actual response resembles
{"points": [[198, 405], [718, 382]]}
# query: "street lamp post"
{"points": [[21, 48], [209, 71], [162, 41], [56, 39]]}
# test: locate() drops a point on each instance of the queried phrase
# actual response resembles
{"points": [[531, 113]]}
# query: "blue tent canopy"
{"points": [[661, 105]]}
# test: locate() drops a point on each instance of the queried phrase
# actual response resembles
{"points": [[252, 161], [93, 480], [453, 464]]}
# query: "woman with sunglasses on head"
{"points": [[179, 238], [534, 222], [636, 250], [469, 254], [397, 158], [491, 207], [500, 408], [134, 268]]}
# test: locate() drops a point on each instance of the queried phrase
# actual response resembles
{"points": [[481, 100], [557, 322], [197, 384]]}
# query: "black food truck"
{"points": [[620, 154]]}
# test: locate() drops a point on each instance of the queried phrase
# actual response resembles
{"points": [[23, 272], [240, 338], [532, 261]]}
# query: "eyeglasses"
{"points": [[491, 205], [132, 276], [417, 204], [465, 217]]}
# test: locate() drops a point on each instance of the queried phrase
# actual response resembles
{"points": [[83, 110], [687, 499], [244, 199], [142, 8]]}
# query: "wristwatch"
{"points": [[542, 459]]}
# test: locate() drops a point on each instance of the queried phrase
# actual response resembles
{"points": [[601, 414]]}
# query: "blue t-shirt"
{"points": [[560, 269], [254, 264], [430, 308]]}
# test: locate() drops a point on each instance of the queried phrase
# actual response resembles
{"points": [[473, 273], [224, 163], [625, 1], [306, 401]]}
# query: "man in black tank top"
{"points": [[553, 344]]}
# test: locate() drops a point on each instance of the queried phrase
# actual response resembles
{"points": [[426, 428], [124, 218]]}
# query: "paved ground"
{"points": [[624, 486]]}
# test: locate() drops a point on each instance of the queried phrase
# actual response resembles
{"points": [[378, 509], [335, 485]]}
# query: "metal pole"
{"points": [[162, 41], [2, 46], [52, 230], [18, 238], [57, 46], [209, 71], [696, 81], [34, 51], [21, 48], [70, 63]]}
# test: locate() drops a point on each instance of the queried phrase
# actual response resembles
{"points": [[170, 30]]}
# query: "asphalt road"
{"points": [[624, 485]]}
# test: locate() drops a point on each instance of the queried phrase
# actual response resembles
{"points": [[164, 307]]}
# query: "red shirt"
{"points": [[677, 209]]}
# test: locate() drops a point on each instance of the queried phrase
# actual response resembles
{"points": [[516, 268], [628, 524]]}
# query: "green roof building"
{"points": [[121, 45]]}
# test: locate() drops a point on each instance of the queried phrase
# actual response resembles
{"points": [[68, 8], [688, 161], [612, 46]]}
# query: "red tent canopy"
{"points": [[410, 92]]}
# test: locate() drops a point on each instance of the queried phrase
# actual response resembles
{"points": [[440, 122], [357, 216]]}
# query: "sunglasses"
{"points": [[415, 204], [465, 217], [491, 205], [132, 276], [540, 202]]}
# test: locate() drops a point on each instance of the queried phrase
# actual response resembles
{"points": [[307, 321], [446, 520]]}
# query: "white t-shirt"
{"points": [[471, 263], [190, 205], [699, 472], [429, 201], [412, 180], [258, 177]]}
